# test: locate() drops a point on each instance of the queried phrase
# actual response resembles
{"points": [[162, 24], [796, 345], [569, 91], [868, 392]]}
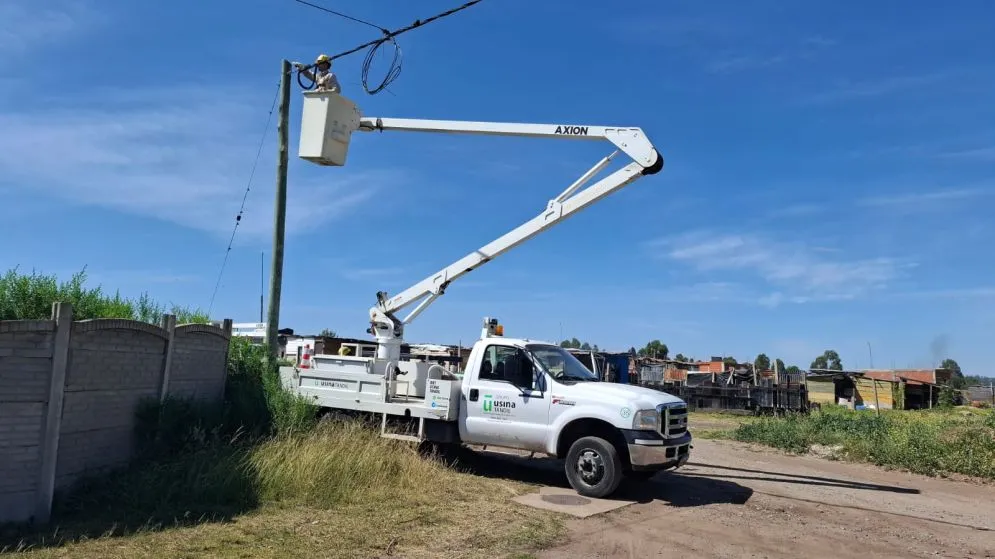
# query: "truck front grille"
{"points": [[673, 420]]}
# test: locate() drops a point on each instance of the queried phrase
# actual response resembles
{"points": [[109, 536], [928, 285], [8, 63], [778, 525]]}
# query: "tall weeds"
{"points": [[927, 442], [30, 297]]}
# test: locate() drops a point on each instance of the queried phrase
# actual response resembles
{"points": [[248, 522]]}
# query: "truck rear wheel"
{"points": [[593, 467]]}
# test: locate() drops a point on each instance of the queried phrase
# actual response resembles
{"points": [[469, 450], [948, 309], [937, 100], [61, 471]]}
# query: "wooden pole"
{"points": [[280, 216], [877, 404]]}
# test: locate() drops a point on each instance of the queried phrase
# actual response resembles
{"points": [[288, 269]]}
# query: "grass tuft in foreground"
{"points": [[338, 491], [926, 442]]}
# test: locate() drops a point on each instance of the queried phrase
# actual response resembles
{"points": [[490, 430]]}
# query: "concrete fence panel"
{"points": [[69, 393], [113, 365], [25, 372], [199, 363]]}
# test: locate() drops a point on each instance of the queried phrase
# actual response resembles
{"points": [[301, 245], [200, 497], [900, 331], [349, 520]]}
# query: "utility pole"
{"points": [[262, 283], [870, 355], [280, 216]]}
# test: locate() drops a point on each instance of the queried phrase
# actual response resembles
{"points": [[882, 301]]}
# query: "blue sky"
{"points": [[828, 183]]}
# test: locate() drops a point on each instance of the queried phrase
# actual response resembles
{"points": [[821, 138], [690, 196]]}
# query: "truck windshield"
{"points": [[560, 363]]}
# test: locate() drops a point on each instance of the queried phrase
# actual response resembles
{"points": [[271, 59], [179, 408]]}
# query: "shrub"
{"points": [[947, 398], [30, 297], [927, 442]]}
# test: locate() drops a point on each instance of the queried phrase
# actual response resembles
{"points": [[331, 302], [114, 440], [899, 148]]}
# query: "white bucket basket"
{"points": [[327, 122]]}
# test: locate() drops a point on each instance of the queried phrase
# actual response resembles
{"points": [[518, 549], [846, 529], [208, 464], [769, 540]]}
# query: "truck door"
{"points": [[506, 404]]}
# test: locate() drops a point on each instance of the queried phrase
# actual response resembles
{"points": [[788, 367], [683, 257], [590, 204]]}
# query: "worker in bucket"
{"points": [[325, 80]]}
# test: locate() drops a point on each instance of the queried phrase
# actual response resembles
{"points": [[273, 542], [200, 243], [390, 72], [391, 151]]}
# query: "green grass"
{"points": [[338, 491], [931, 442]]}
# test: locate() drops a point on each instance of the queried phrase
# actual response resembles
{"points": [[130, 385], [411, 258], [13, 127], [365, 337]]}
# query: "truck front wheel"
{"points": [[593, 467]]}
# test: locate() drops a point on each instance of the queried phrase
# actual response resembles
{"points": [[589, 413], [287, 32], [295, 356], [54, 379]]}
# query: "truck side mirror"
{"points": [[538, 380]]}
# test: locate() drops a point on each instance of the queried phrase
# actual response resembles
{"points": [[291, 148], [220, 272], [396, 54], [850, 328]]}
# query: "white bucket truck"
{"points": [[515, 393]]}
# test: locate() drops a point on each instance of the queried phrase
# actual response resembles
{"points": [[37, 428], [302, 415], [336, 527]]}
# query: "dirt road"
{"points": [[735, 500]]}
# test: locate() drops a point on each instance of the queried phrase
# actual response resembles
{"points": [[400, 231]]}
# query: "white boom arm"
{"points": [[329, 119], [631, 141]]}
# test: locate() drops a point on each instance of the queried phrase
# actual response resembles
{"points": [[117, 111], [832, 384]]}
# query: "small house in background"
{"points": [[713, 365], [905, 389]]}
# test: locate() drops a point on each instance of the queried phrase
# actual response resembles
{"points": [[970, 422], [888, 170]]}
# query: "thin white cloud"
{"points": [[139, 277], [925, 200], [28, 24], [798, 210], [180, 154], [850, 90], [370, 274], [738, 60], [986, 154], [797, 272], [952, 293], [742, 62]]}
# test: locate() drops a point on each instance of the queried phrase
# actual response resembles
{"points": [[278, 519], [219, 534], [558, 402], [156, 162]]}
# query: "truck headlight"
{"points": [[646, 420]]}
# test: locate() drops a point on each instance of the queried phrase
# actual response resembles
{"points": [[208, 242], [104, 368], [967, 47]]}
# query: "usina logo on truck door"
{"points": [[499, 406]]}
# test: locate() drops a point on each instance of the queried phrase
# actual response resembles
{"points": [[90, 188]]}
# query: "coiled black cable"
{"points": [[392, 73]]}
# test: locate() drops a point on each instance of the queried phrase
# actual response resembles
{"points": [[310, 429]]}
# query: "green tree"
{"points": [[793, 369], [957, 379], [780, 365], [680, 357], [656, 348], [574, 343], [729, 361], [829, 360], [762, 362], [328, 333]]}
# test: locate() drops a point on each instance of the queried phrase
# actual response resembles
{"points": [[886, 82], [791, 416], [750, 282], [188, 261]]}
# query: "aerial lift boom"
{"points": [[328, 121]]}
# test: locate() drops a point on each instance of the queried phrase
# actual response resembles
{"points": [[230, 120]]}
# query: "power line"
{"points": [[241, 209], [340, 14], [388, 36]]}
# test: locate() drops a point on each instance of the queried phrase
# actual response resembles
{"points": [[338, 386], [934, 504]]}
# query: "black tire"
{"points": [[593, 467]]}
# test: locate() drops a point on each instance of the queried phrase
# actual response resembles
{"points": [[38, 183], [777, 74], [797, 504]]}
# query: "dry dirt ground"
{"points": [[737, 500]]}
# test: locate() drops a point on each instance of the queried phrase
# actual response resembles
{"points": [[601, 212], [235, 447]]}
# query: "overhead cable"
{"points": [[388, 37], [241, 209]]}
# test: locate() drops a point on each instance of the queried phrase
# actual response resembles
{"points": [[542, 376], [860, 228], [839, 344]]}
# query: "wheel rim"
{"points": [[590, 466]]}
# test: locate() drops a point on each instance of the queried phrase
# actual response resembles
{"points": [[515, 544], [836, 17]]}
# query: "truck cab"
{"points": [[536, 396]]}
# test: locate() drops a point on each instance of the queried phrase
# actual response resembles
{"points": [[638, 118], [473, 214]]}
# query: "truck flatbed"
{"points": [[365, 392]]}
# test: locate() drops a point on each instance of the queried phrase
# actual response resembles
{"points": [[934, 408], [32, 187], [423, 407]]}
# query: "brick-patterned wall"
{"points": [[111, 366], [25, 368], [199, 362]]}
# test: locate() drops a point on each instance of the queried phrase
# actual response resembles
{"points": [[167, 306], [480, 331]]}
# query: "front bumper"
{"points": [[648, 450]]}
